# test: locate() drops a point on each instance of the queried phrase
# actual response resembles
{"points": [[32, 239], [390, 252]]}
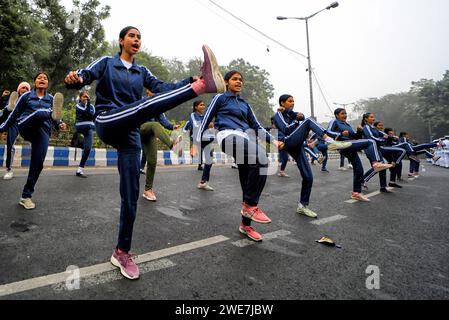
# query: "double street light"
{"points": [[306, 19]]}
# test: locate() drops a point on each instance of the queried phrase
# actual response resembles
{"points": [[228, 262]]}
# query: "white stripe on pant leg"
{"points": [[376, 151], [372, 174], [145, 104], [157, 98]]}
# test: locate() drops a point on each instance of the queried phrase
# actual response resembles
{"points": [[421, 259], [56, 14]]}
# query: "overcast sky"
{"points": [[361, 49]]}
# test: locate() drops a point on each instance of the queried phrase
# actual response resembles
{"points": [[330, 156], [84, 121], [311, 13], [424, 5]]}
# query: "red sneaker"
{"points": [[254, 213], [126, 264], [250, 232]]}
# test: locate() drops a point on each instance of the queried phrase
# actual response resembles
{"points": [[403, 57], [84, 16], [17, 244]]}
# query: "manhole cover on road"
{"points": [[22, 226]]}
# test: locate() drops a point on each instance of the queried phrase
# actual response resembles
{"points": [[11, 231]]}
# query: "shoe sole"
{"points": [[217, 78], [381, 169], [118, 265], [301, 213], [58, 101], [205, 189], [12, 101], [252, 238], [258, 221], [361, 200], [27, 208], [149, 199], [333, 147]]}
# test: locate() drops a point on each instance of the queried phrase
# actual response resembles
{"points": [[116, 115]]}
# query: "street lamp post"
{"points": [[306, 19], [343, 104]]}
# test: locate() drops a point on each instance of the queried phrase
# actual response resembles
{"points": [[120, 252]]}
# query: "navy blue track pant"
{"points": [[283, 157], [119, 128], [13, 132], [391, 154], [208, 161], [37, 131], [252, 160], [302, 162], [88, 133]]}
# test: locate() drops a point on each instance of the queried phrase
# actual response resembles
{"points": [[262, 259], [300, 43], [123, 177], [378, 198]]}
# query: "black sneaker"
{"points": [[385, 190], [200, 167], [81, 175], [394, 185]]}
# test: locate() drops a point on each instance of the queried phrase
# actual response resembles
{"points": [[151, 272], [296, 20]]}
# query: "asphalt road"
{"points": [[396, 247]]}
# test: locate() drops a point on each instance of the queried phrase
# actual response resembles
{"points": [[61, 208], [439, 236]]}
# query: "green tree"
{"points": [[72, 45], [394, 111], [433, 106], [24, 40]]}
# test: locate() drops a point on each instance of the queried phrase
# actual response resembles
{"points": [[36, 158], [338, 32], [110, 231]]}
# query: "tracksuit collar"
{"points": [[117, 63]]}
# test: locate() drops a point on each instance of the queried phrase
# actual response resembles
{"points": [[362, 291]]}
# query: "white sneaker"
{"points": [[8, 175], [342, 169], [350, 166], [205, 186], [58, 102], [13, 97], [27, 203]]}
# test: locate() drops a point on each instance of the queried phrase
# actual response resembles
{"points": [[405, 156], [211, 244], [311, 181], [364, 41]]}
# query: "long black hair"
{"points": [[365, 118]]}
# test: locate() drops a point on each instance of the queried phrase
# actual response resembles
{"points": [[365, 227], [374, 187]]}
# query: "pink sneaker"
{"points": [[210, 72], [255, 214], [359, 197], [379, 166], [250, 232], [126, 264]]}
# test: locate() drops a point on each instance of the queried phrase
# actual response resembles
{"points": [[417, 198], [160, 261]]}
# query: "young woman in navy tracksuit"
{"points": [[84, 125], [120, 111], [391, 153], [294, 130], [35, 112], [206, 152], [344, 132], [236, 123], [13, 132], [375, 131]]}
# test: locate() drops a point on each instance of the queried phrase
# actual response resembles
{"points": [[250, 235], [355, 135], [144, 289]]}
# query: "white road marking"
{"points": [[267, 236], [34, 283], [115, 274], [327, 220]]}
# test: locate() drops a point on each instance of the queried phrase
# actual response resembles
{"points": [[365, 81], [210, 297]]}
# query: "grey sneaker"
{"points": [[13, 97], [58, 101], [210, 71], [307, 212], [27, 203], [205, 186]]}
